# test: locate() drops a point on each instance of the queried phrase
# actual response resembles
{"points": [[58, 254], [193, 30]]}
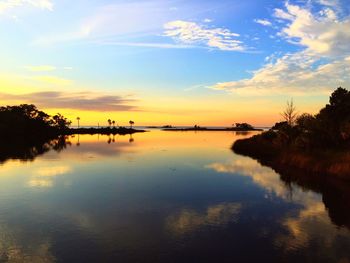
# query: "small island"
{"points": [[316, 145]]}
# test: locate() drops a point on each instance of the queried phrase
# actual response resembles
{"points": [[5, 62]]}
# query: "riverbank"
{"points": [[311, 163]]}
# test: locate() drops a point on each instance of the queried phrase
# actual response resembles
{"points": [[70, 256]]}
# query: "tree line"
{"points": [[27, 120], [329, 128]]}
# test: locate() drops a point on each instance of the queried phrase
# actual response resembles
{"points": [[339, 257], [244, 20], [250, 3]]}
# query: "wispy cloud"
{"points": [[193, 33], [147, 45], [80, 101], [142, 24], [111, 21], [263, 22], [6, 5]]}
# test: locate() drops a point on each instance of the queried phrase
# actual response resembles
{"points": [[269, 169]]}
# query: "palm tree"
{"points": [[131, 124], [109, 122], [78, 119], [113, 122]]}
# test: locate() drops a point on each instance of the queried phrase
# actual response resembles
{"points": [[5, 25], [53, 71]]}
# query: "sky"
{"points": [[179, 62]]}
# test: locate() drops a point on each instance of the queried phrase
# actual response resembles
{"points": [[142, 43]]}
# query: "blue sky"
{"points": [[162, 59]]}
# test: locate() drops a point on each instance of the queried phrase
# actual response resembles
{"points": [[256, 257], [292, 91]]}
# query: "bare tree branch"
{"points": [[290, 114]]}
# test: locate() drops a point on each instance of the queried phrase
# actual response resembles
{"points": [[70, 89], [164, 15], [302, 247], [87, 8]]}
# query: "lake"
{"points": [[164, 197]]}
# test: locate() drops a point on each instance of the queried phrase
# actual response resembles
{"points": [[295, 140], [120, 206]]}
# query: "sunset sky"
{"points": [[180, 62]]}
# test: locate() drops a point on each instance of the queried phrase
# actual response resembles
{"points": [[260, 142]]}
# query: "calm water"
{"points": [[165, 197]]}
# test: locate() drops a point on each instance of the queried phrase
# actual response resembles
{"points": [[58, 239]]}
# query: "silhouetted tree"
{"points": [[334, 119], [113, 122], [78, 119], [26, 121], [109, 122], [279, 125], [290, 114], [131, 124], [60, 122], [330, 128]]}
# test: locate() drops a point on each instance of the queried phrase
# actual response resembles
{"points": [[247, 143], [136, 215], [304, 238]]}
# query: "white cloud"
{"points": [[6, 5], [332, 3], [296, 73], [322, 33], [193, 33], [322, 65], [263, 22]]}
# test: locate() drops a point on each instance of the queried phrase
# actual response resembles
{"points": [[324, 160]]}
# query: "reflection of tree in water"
{"points": [[28, 150], [335, 193], [78, 142], [242, 133]]}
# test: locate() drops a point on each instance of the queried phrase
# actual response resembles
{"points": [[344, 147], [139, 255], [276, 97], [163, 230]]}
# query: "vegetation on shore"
{"points": [[26, 122], [314, 143]]}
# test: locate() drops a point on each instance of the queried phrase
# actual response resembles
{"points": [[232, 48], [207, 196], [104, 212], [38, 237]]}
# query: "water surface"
{"points": [[164, 197]]}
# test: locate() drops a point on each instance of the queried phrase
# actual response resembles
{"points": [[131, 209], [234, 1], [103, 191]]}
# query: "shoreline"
{"points": [[105, 131], [317, 164], [211, 129]]}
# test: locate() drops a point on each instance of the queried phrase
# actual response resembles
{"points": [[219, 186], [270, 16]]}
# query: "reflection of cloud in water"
{"points": [[312, 227], [189, 220], [262, 176], [44, 176], [14, 247], [311, 224]]}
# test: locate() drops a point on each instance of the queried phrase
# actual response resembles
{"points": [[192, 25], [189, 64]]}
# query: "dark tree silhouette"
{"points": [[244, 126], [290, 114], [25, 121], [60, 122], [328, 130]]}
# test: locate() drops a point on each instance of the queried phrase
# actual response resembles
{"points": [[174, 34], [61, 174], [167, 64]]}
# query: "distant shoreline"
{"points": [[106, 131], [212, 129]]}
